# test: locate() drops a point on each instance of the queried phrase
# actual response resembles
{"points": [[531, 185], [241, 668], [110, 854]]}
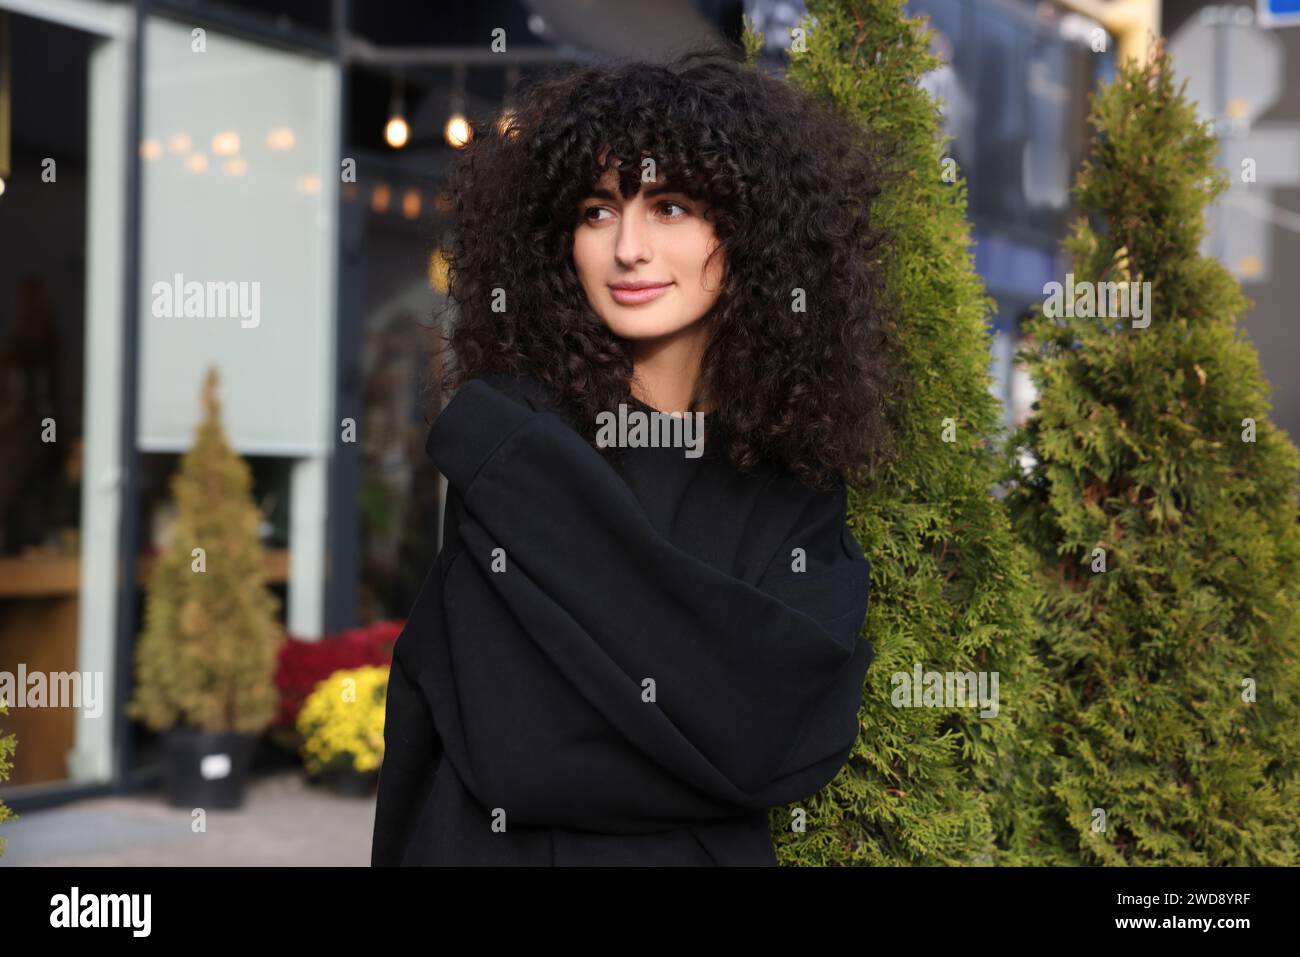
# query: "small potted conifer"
{"points": [[206, 660]]}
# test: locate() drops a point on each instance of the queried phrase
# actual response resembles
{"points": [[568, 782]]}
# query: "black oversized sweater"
{"points": [[619, 663]]}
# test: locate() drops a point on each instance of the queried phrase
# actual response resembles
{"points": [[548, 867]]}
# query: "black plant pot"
{"points": [[207, 769]]}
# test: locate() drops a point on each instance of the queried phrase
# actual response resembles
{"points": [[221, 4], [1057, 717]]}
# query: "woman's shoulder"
{"points": [[521, 387], [527, 390], [484, 410]]}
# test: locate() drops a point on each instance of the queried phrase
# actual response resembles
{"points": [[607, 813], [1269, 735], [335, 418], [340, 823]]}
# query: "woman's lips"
{"points": [[630, 297]]}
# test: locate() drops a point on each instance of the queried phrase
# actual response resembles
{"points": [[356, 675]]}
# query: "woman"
{"points": [[625, 653]]}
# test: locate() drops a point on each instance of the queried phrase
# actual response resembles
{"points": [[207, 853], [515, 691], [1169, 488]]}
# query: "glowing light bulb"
{"points": [[457, 131], [280, 139], [411, 203], [226, 144], [396, 133]]}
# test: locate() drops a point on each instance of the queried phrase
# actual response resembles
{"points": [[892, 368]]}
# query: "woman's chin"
{"points": [[637, 327], [631, 324]]}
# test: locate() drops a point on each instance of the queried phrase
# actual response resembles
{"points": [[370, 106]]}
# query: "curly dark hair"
{"points": [[790, 180]]}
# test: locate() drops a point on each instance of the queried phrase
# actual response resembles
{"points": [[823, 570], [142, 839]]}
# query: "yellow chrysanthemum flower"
{"points": [[342, 721]]}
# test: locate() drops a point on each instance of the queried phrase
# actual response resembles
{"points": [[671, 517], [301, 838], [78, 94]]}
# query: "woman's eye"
{"points": [[594, 213]]}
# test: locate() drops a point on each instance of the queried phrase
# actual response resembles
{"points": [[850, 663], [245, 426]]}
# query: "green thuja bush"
{"points": [[950, 584], [8, 744], [207, 656], [1161, 503]]}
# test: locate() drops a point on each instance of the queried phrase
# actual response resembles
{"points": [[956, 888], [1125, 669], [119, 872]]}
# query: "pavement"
{"points": [[284, 822]]}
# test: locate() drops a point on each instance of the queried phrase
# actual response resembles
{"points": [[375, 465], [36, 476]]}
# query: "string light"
{"points": [[411, 203], [457, 131], [506, 124], [280, 139], [397, 131], [225, 144]]}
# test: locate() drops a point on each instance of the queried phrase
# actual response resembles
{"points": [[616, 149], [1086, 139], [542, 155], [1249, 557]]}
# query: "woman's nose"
{"points": [[633, 244]]}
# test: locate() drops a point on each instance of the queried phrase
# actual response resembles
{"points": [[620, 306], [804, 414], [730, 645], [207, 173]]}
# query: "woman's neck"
{"points": [[665, 370]]}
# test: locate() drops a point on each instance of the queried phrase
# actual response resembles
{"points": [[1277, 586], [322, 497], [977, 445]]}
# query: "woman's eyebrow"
{"points": [[600, 192]]}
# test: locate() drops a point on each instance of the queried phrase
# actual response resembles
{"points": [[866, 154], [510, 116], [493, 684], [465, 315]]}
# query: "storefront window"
{"points": [[44, 308], [240, 174]]}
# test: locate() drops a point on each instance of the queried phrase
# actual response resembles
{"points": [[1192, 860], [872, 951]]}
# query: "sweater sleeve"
{"points": [[412, 748], [744, 693]]}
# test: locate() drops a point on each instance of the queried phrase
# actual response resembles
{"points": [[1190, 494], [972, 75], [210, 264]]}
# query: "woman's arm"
{"points": [[746, 692], [412, 750]]}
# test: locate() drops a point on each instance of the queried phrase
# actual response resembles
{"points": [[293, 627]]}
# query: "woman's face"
{"points": [[658, 240]]}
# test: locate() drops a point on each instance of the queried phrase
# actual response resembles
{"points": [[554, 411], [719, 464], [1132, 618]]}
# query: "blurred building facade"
{"points": [[1242, 67]]}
